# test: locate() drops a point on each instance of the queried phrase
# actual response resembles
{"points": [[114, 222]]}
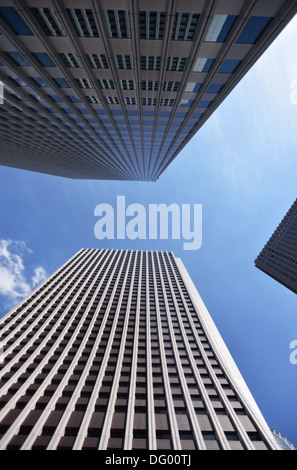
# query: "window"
{"points": [[151, 24], [74, 99], [254, 28], [202, 65], [149, 85], [167, 102], [171, 86], [229, 66], [39, 81], [149, 101], [219, 28], [48, 21], [55, 98], [43, 59], [150, 62], [14, 21], [17, 58], [176, 64], [192, 87], [70, 60], [106, 84], [83, 83], [83, 22], [98, 61], [124, 61], [118, 23], [214, 88], [185, 102], [62, 82], [128, 84], [112, 100], [185, 26], [129, 100]]}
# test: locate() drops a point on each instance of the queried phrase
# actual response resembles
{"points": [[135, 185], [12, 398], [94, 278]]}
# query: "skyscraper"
{"points": [[116, 350], [115, 89], [278, 258]]}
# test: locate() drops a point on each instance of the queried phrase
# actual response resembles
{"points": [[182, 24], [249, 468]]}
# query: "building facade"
{"points": [[114, 89], [116, 350], [278, 258]]}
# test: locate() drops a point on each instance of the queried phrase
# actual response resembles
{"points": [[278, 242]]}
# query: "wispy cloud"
{"points": [[15, 284], [39, 276]]}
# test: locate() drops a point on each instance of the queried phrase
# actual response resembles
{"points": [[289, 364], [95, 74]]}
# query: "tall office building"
{"points": [[116, 350], [278, 258], [115, 89]]}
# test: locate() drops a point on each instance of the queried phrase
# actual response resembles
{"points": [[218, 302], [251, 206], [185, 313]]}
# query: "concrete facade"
{"points": [[115, 89], [116, 350]]}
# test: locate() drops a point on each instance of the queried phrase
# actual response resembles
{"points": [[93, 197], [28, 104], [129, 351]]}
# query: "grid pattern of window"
{"points": [[278, 258], [52, 56], [113, 352]]}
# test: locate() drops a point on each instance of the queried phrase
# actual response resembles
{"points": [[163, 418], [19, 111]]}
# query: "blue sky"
{"points": [[242, 167]]}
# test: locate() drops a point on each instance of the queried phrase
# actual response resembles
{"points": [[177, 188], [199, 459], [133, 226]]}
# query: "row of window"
{"points": [[151, 24], [174, 64]]}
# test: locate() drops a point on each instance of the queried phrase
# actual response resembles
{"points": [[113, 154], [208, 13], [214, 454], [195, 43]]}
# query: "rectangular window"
{"points": [[128, 84], [176, 64], [229, 66], [149, 101], [17, 58], [83, 22], [204, 104], [171, 86], [18, 81], [14, 21], [149, 85], [202, 65], [167, 101], [70, 60], [150, 62], [254, 28], [49, 21], [98, 61], [118, 23], [74, 99], [192, 87], [93, 99], [130, 100], [43, 59], [214, 88], [112, 100], [124, 61], [83, 83], [55, 98], [185, 26], [151, 24], [219, 28], [105, 84], [62, 82], [39, 81]]}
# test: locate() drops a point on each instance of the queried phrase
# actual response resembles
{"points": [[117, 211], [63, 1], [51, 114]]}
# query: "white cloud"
{"points": [[14, 285], [39, 276]]}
